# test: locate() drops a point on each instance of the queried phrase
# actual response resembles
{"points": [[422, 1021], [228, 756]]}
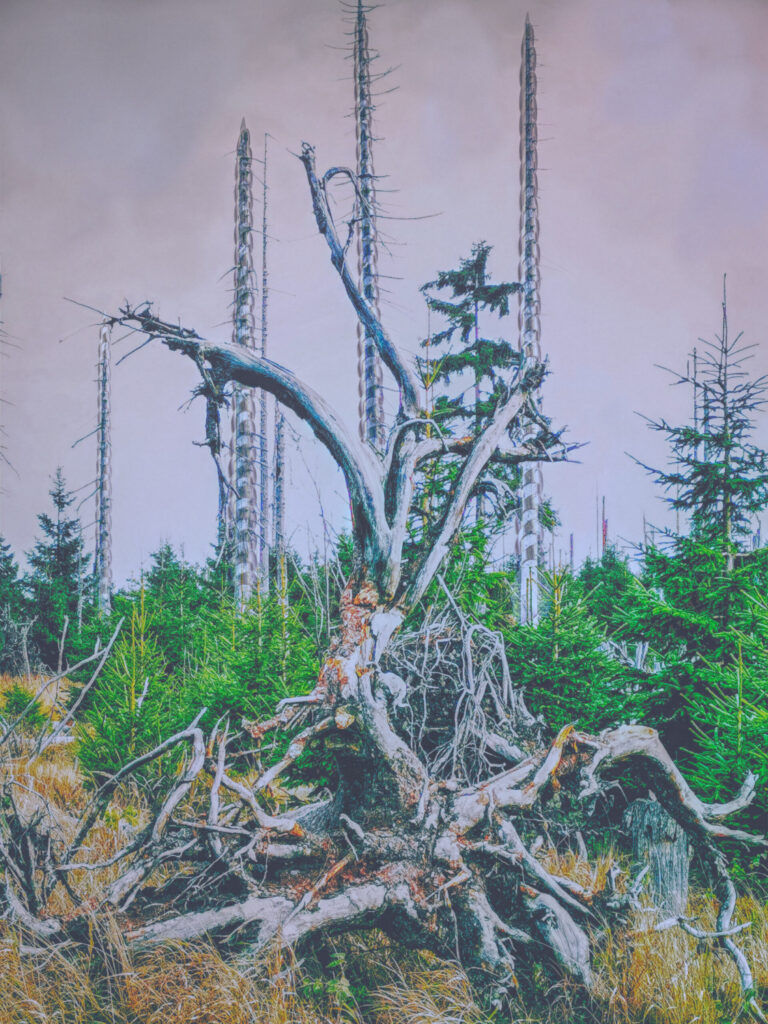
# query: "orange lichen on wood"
{"points": [[356, 606]]}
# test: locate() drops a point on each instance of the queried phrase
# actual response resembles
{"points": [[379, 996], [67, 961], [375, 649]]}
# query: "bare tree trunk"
{"points": [[661, 845], [263, 539], [278, 511], [103, 559], [530, 324], [246, 481], [371, 408]]}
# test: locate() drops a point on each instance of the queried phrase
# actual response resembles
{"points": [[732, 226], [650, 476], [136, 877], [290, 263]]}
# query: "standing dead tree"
{"points": [[263, 539], [442, 778], [530, 322], [103, 556], [279, 453], [370, 382], [247, 477]]}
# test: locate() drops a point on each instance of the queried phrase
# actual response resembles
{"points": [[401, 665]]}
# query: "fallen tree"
{"points": [[441, 778]]}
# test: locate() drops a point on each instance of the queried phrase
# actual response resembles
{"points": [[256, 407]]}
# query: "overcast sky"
{"points": [[118, 123]]}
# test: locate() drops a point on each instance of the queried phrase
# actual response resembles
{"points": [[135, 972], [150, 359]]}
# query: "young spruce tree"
{"points": [[717, 476], [56, 584], [12, 613], [564, 663], [467, 374], [696, 595]]}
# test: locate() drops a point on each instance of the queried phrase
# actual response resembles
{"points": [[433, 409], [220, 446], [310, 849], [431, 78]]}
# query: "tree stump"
{"points": [[660, 844]]}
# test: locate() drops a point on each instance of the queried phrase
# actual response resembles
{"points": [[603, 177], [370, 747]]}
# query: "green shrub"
{"points": [[17, 700]]}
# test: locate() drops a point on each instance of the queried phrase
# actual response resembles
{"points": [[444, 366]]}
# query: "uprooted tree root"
{"points": [[431, 828], [641, 976]]}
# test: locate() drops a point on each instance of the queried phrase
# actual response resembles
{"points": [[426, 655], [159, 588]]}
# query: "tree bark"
{"points": [[660, 844]]}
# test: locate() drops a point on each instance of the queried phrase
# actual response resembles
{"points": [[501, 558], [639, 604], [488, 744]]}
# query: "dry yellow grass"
{"points": [[643, 977], [179, 985], [51, 699], [426, 992], [592, 876], [53, 785], [55, 776], [649, 977], [671, 978], [43, 989], [196, 984]]}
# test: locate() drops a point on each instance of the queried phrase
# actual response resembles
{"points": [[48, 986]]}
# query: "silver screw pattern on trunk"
{"points": [[278, 509], [245, 502], [263, 555], [103, 558], [370, 382], [529, 323], [278, 454]]}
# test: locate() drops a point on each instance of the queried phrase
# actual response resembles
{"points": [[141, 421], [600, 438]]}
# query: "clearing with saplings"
{"points": [[430, 771]]}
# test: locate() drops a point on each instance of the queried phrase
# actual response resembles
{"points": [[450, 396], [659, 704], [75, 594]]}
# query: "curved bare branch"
{"points": [[637, 741], [272, 915], [482, 450], [357, 462], [386, 349]]}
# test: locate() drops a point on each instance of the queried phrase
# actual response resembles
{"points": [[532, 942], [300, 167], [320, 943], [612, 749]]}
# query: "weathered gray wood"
{"points": [[531, 493], [566, 939], [659, 843], [247, 481], [103, 555], [371, 405]]}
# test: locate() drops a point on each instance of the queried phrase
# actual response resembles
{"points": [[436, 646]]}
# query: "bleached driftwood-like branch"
{"points": [[381, 490], [405, 378]]}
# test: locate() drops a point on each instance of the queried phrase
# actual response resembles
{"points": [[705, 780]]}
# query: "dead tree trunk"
{"points": [[370, 384], [530, 322], [246, 478], [103, 555], [661, 845]]}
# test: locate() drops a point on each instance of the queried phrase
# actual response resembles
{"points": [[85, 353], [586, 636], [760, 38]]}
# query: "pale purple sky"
{"points": [[118, 122]]}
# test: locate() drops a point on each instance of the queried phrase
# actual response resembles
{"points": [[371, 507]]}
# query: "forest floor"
{"points": [[642, 975]]}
